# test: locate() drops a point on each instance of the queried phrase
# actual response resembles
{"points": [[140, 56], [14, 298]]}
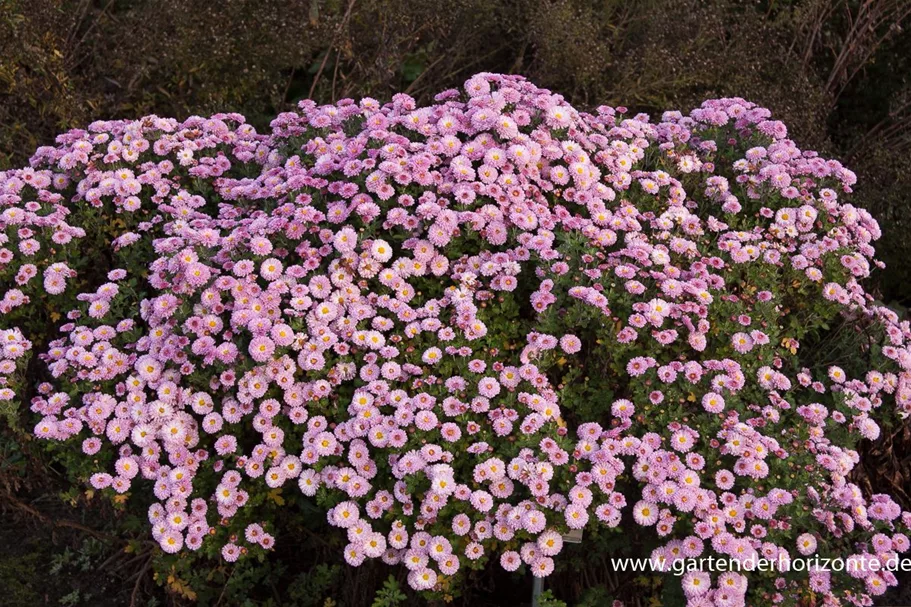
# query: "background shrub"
{"points": [[835, 71]]}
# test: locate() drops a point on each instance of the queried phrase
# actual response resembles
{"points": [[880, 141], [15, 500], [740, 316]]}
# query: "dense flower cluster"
{"points": [[467, 328]]}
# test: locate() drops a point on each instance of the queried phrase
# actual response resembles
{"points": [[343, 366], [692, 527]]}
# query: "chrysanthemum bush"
{"points": [[463, 330]]}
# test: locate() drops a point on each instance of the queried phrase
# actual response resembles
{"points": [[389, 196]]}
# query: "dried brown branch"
{"points": [[139, 579], [870, 26], [338, 31], [21, 506]]}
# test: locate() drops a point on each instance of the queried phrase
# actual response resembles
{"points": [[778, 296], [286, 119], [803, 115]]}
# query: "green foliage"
{"points": [[390, 595], [547, 599], [20, 587], [85, 558], [311, 588], [594, 596]]}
